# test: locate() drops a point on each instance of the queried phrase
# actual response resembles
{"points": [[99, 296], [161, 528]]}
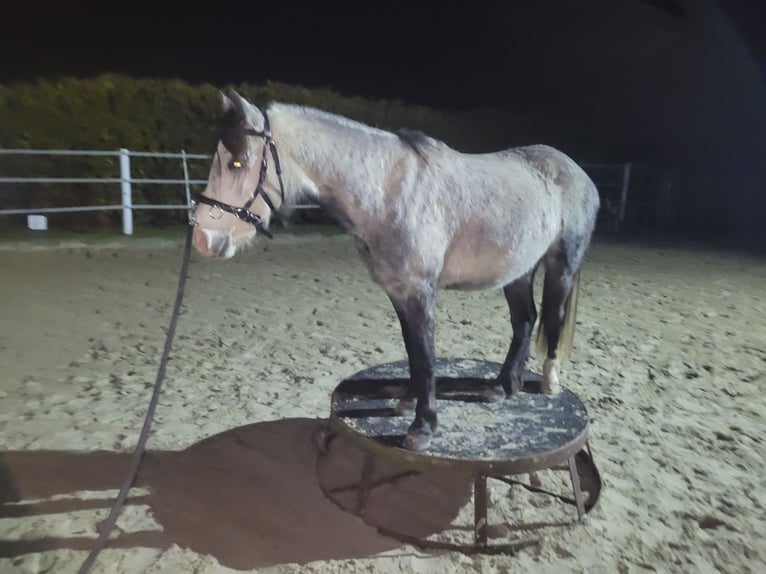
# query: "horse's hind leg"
{"points": [[416, 311], [559, 305], [521, 303]]}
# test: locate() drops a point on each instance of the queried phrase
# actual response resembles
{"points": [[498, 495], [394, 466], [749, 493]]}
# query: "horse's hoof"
{"points": [[405, 406], [421, 430], [417, 442], [493, 394]]}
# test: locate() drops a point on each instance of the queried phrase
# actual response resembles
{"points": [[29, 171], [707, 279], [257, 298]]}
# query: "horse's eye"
{"points": [[235, 164]]}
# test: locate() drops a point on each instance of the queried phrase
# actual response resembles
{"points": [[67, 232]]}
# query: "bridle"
{"points": [[244, 212]]}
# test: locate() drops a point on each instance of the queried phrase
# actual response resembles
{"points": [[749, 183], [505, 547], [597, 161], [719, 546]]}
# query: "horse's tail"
{"points": [[566, 338]]}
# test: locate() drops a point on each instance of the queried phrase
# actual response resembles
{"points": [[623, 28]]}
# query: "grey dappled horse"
{"points": [[424, 217]]}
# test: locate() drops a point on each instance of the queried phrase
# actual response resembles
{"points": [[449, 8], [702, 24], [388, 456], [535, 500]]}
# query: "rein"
{"points": [[243, 213], [108, 525]]}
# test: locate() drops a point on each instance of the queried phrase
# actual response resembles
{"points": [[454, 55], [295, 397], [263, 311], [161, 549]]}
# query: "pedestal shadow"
{"points": [[248, 496]]}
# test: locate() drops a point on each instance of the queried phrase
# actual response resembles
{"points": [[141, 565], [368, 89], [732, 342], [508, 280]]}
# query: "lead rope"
{"points": [[138, 453]]}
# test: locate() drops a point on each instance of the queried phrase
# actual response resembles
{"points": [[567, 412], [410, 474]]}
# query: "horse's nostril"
{"points": [[200, 241]]}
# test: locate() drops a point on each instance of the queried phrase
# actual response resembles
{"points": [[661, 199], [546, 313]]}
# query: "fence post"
{"points": [[127, 195], [624, 192], [186, 178]]}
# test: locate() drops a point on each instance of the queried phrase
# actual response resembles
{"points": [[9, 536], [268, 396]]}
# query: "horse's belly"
{"points": [[487, 265], [468, 276], [492, 268]]}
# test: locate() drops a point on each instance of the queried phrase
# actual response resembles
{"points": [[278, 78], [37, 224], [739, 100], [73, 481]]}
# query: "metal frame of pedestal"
{"points": [[361, 397]]}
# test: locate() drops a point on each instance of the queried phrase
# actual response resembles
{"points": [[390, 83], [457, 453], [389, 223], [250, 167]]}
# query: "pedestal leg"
{"points": [[480, 510], [574, 475]]}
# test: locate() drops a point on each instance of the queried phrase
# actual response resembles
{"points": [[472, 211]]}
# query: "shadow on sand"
{"points": [[250, 497]]}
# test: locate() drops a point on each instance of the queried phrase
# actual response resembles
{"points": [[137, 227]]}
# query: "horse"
{"points": [[424, 217]]}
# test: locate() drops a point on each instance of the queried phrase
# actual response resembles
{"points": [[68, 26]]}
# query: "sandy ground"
{"points": [[670, 359]]}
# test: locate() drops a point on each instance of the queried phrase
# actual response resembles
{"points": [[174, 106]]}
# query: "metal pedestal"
{"points": [[486, 440]]}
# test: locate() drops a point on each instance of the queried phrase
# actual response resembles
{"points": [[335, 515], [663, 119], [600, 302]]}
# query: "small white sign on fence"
{"points": [[37, 222]]}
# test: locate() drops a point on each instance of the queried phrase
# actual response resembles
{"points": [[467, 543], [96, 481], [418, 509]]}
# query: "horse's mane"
{"points": [[329, 117], [417, 140]]}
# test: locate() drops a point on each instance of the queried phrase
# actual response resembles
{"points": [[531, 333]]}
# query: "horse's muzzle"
{"points": [[210, 243]]}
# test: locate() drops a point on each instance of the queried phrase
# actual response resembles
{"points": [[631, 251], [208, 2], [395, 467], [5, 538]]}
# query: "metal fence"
{"points": [[125, 181], [613, 181]]}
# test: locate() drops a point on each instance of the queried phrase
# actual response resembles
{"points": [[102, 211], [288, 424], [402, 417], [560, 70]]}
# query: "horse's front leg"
{"points": [[416, 310]]}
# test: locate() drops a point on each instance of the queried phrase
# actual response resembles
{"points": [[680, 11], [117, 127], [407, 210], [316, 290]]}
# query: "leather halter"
{"points": [[244, 212]]}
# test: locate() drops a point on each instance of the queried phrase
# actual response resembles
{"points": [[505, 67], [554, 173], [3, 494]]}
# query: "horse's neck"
{"points": [[346, 163]]}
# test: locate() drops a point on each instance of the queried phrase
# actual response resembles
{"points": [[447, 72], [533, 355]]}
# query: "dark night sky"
{"points": [[450, 54], [413, 51]]}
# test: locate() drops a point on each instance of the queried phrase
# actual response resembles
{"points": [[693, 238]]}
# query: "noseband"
{"points": [[244, 212]]}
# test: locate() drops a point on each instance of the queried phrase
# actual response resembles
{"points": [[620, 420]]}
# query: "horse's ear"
{"points": [[226, 103], [239, 102], [246, 111]]}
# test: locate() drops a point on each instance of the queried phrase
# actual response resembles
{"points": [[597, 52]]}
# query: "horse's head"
{"points": [[242, 188]]}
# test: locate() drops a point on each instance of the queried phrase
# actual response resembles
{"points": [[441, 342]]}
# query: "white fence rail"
{"points": [[126, 182]]}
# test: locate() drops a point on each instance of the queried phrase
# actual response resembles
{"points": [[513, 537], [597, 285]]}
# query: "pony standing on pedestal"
{"points": [[424, 217]]}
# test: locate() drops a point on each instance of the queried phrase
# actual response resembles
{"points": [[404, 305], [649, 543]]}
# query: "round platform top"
{"points": [[520, 434]]}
